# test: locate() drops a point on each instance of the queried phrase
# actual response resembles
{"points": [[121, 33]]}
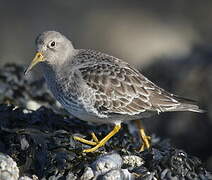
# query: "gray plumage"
{"points": [[97, 87]]}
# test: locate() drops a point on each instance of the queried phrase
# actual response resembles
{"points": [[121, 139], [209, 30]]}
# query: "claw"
{"points": [[97, 144], [145, 139], [94, 137]]}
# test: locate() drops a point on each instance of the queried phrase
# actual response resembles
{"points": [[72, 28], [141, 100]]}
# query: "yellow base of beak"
{"points": [[38, 58]]}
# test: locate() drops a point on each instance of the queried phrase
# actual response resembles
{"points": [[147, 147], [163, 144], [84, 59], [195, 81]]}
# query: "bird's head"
{"points": [[52, 48]]}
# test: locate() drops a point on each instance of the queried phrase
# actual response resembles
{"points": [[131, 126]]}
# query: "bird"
{"points": [[100, 88]]}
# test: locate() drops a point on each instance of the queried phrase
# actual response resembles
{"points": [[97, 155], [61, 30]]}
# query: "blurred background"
{"points": [[170, 41]]}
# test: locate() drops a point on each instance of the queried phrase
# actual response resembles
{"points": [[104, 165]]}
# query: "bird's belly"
{"points": [[88, 117], [79, 111], [84, 115]]}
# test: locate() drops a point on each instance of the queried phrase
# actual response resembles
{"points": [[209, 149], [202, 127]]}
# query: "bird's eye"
{"points": [[52, 44]]}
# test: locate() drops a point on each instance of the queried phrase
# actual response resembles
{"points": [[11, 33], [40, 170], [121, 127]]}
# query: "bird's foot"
{"points": [[145, 139], [146, 143], [92, 142], [95, 142]]}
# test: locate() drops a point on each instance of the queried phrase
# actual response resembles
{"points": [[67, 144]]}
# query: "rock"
{"points": [[118, 174], [33, 105], [88, 174], [25, 178], [71, 176], [19, 90], [133, 161], [39, 140], [107, 167], [8, 168], [107, 162]]}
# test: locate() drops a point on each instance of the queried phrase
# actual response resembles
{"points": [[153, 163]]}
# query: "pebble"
{"points": [[107, 167], [8, 168], [33, 105], [132, 161]]}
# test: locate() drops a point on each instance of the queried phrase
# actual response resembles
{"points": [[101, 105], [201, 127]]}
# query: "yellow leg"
{"points": [[101, 143], [84, 141], [145, 139]]}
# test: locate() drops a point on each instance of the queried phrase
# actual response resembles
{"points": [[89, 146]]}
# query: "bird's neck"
{"points": [[49, 72], [52, 71]]}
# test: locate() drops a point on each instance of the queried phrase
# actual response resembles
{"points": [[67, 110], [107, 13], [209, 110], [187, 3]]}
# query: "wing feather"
{"points": [[119, 88]]}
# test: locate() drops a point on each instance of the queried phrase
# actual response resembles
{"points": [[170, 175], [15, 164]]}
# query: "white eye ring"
{"points": [[52, 44]]}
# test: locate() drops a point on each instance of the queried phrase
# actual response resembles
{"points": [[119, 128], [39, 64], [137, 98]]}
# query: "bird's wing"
{"points": [[119, 88]]}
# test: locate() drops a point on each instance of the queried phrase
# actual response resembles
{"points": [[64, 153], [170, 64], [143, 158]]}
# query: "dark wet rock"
{"points": [[23, 91], [41, 141]]}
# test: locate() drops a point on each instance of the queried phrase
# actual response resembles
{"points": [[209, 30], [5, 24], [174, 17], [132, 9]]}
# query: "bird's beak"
{"points": [[38, 58]]}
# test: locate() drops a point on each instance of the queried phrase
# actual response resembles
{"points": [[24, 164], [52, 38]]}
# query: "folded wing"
{"points": [[119, 88]]}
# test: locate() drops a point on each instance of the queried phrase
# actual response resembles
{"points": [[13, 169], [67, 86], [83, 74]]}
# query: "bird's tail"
{"points": [[187, 105]]}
